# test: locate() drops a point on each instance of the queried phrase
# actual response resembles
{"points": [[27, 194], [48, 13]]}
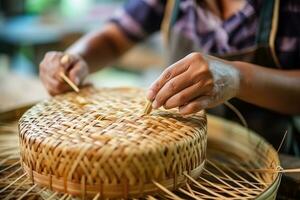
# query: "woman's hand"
{"points": [[51, 66], [194, 83]]}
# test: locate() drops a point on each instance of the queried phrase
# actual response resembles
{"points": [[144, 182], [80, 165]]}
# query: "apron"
{"points": [[271, 125]]}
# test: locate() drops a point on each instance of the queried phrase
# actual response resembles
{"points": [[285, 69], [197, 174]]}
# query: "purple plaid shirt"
{"points": [[140, 18]]}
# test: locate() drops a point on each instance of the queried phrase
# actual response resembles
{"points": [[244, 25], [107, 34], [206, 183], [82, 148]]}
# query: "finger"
{"points": [[172, 87], [52, 55], [49, 66], [169, 73], [188, 94], [195, 105], [68, 60], [62, 63], [78, 73], [55, 87], [55, 67]]}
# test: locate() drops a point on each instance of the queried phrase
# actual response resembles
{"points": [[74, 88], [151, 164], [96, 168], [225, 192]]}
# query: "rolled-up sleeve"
{"points": [[139, 18]]}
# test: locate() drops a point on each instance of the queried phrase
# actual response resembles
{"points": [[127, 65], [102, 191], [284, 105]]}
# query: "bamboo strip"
{"points": [[97, 196], [227, 176], [70, 83], [148, 107], [174, 196], [226, 184], [190, 194], [11, 174], [13, 182], [27, 191], [217, 195], [52, 196], [9, 167], [16, 189]]}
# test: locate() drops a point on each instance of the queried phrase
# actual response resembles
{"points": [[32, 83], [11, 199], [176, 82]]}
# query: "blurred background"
{"points": [[30, 28]]}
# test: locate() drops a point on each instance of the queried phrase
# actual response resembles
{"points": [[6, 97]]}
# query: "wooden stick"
{"points": [[281, 143], [25, 193], [174, 196], [13, 182], [65, 59], [148, 107]]}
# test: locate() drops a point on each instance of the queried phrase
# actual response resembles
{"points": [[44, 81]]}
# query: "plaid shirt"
{"points": [[140, 18]]}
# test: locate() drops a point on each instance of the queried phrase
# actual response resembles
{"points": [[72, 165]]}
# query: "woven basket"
{"points": [[98, 141]]}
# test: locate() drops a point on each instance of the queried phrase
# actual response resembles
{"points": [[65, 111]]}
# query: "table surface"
{"points": [[17, 91]]}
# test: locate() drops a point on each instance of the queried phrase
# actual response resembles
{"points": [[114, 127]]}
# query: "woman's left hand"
{"points": [[194, 83]]}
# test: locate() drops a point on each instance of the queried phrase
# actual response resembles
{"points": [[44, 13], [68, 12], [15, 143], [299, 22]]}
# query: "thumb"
{"points": [[196, 105], [67, 61], [78, 73]]}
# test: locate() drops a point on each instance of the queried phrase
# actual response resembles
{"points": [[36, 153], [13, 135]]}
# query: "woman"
{"points": [[257, 42]]}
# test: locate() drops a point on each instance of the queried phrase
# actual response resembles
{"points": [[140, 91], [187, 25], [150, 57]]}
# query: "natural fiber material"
{"points": [[239, 165], [99, 141]]}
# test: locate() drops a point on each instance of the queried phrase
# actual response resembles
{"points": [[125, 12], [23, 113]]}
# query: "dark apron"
{"points": [[269, 124]]}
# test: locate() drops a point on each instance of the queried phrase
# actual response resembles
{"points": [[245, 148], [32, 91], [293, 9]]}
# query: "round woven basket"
{"points": [[99, 141], [240, 151]]}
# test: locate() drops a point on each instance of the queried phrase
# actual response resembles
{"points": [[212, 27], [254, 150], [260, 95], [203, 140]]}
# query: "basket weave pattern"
{"points": [[99, 141]]}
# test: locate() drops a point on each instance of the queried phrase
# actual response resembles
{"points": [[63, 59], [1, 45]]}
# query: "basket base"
{"points": [[108, 190]]}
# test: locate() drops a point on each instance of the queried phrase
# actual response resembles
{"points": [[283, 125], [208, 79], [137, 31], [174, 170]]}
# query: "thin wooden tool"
{"points": [[71, 84], [64, 60], [148, 107]]}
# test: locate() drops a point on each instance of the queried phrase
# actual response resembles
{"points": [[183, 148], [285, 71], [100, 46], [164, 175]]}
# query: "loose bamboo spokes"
{"points": [[237, 112]]}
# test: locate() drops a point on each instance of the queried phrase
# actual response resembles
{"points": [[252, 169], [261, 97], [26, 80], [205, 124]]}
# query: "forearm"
{"points": [[101, 47], [278, 90]]}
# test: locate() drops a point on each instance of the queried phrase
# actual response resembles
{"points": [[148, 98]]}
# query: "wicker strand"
{"points": [[9, 167], [52, 196], [171, 194], [14, 190], [27, 191], [12, 183], [229, 178]]}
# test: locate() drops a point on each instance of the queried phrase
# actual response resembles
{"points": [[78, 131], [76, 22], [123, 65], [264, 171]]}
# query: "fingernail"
{"points": [[150, 95], [77, 80], [155, 104]]}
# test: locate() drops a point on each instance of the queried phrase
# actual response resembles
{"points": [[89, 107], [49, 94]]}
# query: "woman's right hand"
{"points": [[51, 66]]}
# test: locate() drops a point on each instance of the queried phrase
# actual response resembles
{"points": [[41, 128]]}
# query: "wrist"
{"points": [[79, 56], [226, 76], [245, 74]]}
